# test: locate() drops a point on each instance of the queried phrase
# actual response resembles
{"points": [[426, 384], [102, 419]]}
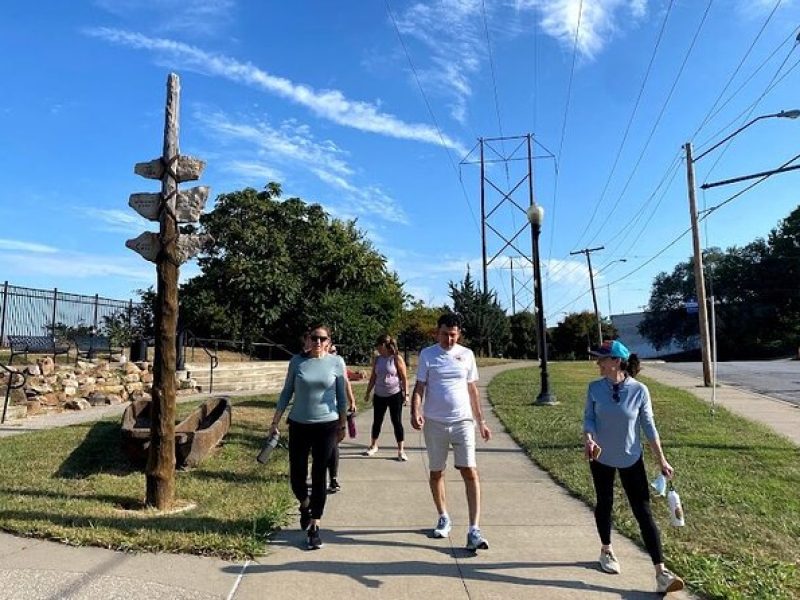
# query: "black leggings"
{"points": [[319, 440], [395, 405], [634, 482]]}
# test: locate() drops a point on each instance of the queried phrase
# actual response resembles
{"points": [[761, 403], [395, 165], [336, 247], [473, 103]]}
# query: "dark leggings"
{"points": [[634, 482], [395, 405], [319, 440], [333, 465]]}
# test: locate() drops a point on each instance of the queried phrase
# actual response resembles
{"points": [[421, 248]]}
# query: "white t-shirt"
{"points": [[446, 374]]}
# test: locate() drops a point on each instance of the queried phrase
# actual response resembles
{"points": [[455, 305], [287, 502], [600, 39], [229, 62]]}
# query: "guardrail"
{"points": [[191, 338]]}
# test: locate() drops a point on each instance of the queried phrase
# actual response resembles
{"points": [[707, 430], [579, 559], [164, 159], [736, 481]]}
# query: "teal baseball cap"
{"points": [[612, 348]]}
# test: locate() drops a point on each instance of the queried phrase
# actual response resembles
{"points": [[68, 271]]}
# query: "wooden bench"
{"points": [[88, 346], [35, 344]]}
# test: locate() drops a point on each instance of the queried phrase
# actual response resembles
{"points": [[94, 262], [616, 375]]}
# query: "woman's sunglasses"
{"points": [[615, 392], [318, 338]]}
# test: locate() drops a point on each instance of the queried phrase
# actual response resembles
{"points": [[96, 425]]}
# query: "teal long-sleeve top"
{"points": [[615, 424], [318, 387]]}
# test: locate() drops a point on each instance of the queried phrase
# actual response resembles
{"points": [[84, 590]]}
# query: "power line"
{"points": [[564, 127], [629, 124], [736, 70], [432, 115], [656, 123]]}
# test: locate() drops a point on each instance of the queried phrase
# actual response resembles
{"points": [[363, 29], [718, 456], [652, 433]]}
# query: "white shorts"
{"points": [[440, 436]]}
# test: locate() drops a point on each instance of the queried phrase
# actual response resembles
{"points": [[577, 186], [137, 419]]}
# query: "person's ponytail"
{"points": [[632, 366]]}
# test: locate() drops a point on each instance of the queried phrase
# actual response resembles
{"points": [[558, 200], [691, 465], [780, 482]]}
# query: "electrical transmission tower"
{"points": [[501, 229]]}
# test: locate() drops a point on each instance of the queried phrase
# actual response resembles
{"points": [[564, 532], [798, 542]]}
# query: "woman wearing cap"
{"points": [[316, 380], [617, 409]]}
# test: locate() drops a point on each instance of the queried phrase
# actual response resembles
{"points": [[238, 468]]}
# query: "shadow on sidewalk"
{"points": [[372, 574]]}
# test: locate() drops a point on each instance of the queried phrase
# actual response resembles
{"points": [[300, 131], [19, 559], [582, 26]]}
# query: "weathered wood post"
{"points": [[168, 249]]}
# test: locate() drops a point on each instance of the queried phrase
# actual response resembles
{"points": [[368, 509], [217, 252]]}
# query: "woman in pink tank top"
{"points": [[389, 381]]}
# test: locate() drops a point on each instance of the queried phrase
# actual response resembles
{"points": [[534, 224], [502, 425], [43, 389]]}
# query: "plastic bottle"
{"points": [[351, 423], [675, 509], [269, 445]]}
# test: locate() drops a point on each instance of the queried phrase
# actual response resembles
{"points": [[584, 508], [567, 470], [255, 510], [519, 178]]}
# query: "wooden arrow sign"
{"points": [[188, 168], [188, 207], [147, 244], [189, 245]]}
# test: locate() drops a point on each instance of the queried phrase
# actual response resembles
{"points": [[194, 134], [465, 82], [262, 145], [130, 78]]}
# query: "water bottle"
{"points": [[675, 508], [268, 447], [351, 423]]}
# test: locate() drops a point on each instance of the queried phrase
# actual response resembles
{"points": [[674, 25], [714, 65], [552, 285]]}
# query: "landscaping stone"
{"points": [[46, 365], [34, 407], [77, 404]]}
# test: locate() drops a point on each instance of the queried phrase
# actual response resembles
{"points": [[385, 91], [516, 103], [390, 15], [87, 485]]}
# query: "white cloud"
{"points": [[451, 32], [116, 220], [253, 171], [198, 17], [599, 20], [82, 266], [327, 104], [18, 245], [293, 146]]}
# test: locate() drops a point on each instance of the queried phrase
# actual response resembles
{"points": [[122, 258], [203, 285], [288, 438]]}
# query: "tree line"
{"points": [[278, 265]]}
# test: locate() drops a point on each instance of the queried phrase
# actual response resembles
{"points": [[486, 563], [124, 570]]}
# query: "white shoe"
{"points": [[667, 582], [402, 457], [443, 527], [609, 562], [370, 451]]}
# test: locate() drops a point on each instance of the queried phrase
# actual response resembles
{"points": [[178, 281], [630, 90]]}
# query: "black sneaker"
{"points": [[314, 541], [305, 517], [334, 486]]}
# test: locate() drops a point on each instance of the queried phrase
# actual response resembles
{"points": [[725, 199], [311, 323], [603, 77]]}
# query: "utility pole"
{"points": [[513, 293], [588, 253], [699, 277]]}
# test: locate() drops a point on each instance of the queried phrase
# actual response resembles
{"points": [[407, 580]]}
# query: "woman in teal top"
{"points": [[317, 422]]}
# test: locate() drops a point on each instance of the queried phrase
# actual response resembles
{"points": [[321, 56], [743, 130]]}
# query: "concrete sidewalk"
{"points": [[779, 415], [377, 542]]}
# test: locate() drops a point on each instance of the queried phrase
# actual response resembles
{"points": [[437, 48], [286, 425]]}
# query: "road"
{"points": [[776, 378]]}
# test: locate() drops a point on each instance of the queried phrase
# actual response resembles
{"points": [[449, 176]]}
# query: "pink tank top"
{"points": [[387, 382]]}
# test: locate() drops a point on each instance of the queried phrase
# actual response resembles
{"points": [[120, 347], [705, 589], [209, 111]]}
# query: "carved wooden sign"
{"points": [[188, 168], [188, 206], [148, 245]]}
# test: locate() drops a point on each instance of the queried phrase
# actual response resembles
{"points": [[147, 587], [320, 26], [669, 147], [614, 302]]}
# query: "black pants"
{"points": [[333, 464], [395, 405], [319, 440], [634, 482]]}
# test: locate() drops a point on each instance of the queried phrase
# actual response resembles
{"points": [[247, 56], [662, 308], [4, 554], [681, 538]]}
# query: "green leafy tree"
{"points": [[417, 326], [279, 265], [572, 338], [485, 323], [124, 327], [523, 335]]}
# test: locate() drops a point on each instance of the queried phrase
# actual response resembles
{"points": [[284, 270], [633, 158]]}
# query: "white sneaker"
{"points": [[402, 457], [609, 562], [370, 451], [443, 527], [667, 582]]}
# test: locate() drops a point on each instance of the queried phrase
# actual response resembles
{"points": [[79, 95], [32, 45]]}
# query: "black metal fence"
{"points": [[31, 311]]}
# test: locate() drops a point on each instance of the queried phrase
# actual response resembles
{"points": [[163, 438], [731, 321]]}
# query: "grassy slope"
{"points": [[739, 483]]}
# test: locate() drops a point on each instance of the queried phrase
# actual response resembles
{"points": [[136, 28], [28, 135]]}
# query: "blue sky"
{"points": [[369, 107]]}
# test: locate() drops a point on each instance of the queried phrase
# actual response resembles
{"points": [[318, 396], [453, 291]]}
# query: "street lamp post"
{"points": [[699, 277], [535, 215]]}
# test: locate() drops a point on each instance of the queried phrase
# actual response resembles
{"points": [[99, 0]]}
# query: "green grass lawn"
{"points": [[739, 482], [74, 485]]}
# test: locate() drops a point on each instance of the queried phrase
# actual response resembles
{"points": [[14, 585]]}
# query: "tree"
{"points": [[485, 323], [523, 335], [417, 326], [124, 327], [572, 338], [278, 266]]}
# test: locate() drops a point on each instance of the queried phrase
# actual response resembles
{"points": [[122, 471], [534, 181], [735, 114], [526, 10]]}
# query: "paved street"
{"points": [[776, 378]]}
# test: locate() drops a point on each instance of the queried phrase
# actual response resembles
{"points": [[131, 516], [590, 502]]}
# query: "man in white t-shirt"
{"points": [[447, 376]]}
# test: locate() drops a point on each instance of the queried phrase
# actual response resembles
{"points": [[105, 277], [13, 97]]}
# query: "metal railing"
{"points": [[191, 339], [11, 373], [32, 311]]}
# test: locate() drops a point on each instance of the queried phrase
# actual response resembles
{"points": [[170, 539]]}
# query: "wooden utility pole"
{"points": [[588, 253], [168, 249], [699, 277]]}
